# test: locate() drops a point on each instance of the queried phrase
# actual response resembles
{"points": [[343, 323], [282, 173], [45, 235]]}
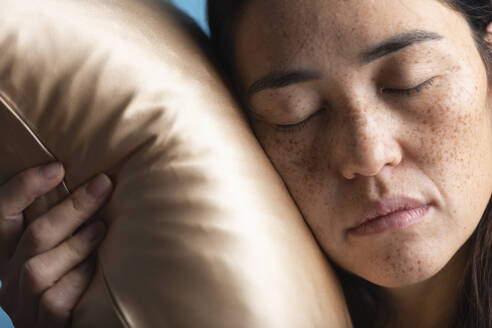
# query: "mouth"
{"points": [[390, 213]]}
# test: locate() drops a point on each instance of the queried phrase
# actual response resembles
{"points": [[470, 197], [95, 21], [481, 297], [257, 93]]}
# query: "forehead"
{"points": [[278, 33]]}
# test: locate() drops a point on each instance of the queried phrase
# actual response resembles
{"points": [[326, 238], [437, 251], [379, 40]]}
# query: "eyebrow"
{"points": [[281, 79], [398, 42]]}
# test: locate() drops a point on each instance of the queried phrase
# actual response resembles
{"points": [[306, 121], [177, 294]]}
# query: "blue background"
{"points": [[196, 9]]}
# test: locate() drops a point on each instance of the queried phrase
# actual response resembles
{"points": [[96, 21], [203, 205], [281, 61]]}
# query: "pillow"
{"points": [[201, 230]]}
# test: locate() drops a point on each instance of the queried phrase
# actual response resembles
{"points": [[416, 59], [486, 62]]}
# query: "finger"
{"points": [[21, 191], [16, 195], [41, 272], [57, 303], [58, 223]]}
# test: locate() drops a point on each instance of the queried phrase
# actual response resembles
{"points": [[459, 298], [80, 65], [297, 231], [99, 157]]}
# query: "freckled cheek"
{"points": [[304, 169], [286, 152], [451, 142], [295, 158], [448, 118], [445, 133]]}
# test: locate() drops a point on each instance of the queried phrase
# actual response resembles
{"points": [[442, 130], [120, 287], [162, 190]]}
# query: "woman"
{"points": [[378, 110], [377, 116]]}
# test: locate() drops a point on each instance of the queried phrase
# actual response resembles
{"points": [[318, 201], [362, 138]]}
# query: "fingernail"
{"points": [[99, 186], [93, 232], [52, 170]]}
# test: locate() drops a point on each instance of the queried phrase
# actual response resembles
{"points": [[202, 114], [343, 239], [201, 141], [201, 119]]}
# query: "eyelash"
{"points": [[297, 126], [411, 91]]}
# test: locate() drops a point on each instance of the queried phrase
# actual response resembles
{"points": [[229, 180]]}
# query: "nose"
{"points": [[370, 145]]}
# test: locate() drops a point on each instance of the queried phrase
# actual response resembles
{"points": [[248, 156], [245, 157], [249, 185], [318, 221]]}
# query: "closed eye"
{"points": [[410, 91], [297, 126]]}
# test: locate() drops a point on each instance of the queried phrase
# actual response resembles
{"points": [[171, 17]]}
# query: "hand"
{"points": [[44, 270]]}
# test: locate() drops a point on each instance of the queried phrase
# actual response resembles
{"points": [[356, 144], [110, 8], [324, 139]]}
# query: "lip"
{"points": [[389, 213]]}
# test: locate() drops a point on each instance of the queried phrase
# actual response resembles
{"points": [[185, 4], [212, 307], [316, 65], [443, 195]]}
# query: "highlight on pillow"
{"points": [[201, 230]]}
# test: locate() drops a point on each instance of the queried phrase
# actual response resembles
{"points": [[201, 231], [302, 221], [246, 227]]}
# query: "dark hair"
{"points": [[222, 16], [364, 299]]}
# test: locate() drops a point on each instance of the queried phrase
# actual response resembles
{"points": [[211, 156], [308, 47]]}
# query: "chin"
{"points": [[402, 266], [401, 277]]}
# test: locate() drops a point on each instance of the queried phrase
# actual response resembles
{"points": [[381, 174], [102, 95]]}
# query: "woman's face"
{"points": [[393, 99]]}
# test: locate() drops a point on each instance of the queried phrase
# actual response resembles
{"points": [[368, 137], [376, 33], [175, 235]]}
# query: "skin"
{"points": [[44, 270], [365, 141]]}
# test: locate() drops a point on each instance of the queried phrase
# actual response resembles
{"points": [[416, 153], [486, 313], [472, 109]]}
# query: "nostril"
{"points": [[348, 175], [370, 164]]}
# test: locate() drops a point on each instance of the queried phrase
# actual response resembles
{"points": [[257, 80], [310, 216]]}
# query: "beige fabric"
{"points": [[202, 232]]}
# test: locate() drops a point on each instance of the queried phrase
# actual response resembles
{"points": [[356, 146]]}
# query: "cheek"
{"points": [[303, 162], [451, 144], [288, 152], [289, 155]]}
